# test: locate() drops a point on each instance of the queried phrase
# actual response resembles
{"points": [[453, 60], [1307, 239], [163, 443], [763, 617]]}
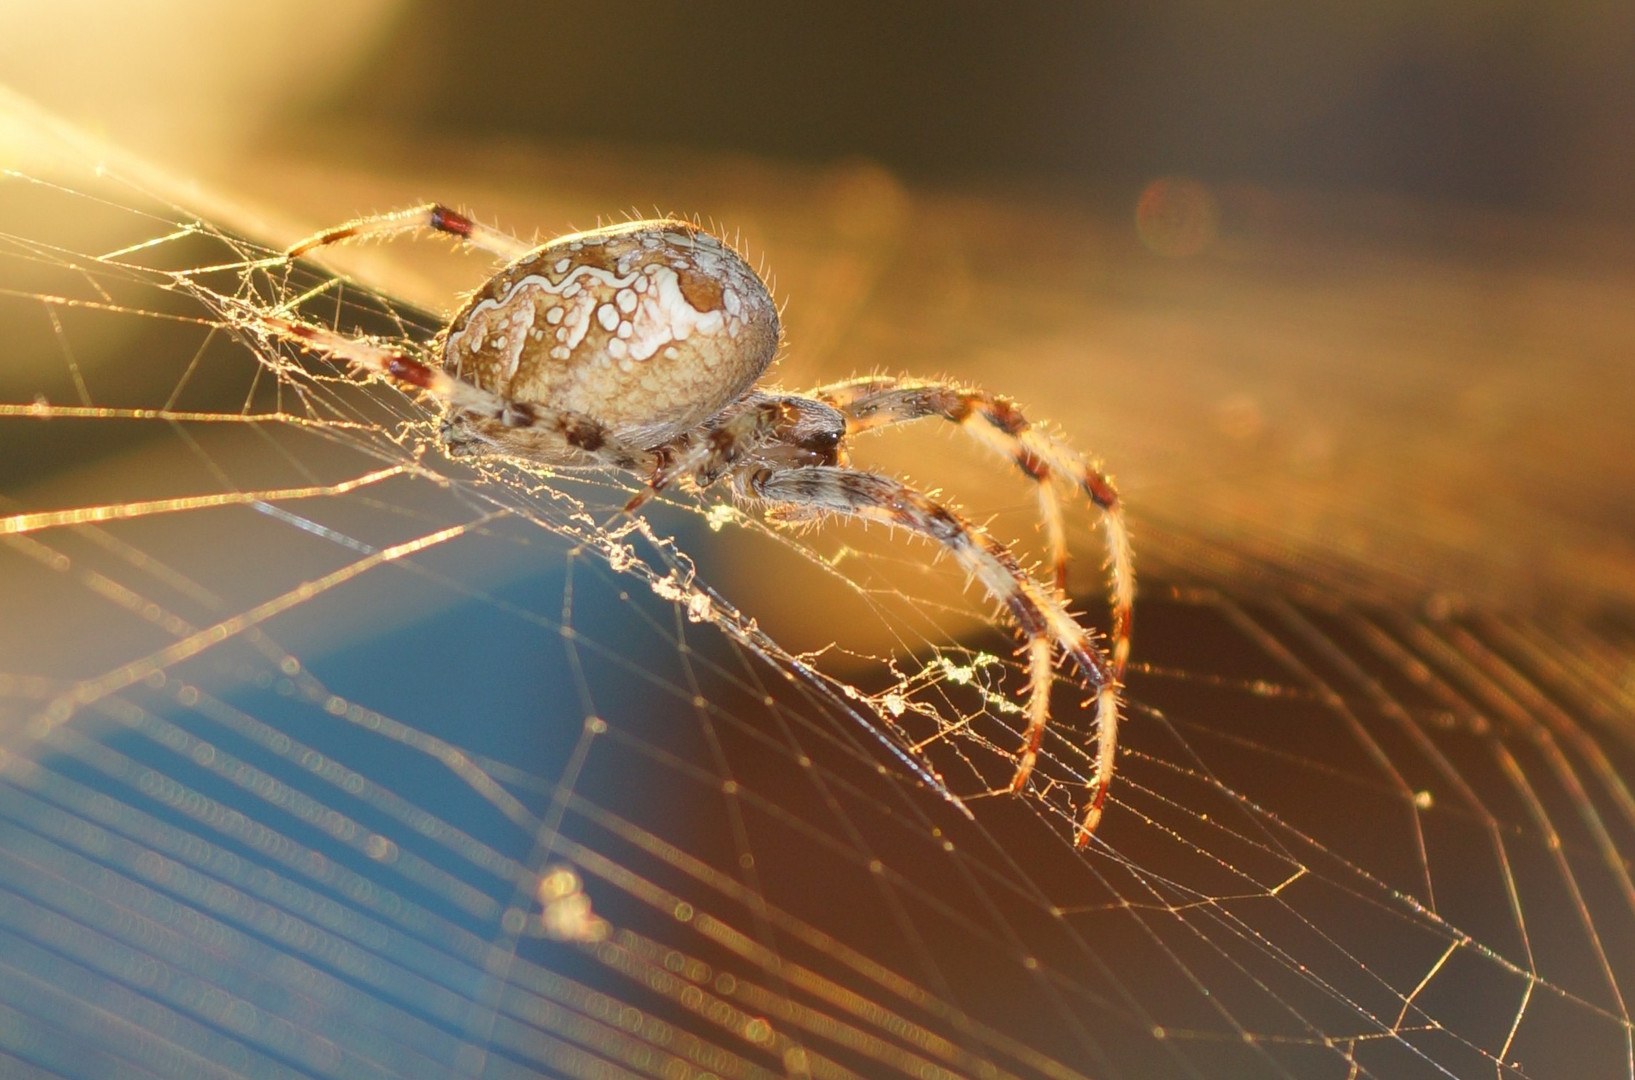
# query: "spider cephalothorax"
{"points": [[640, 347]]}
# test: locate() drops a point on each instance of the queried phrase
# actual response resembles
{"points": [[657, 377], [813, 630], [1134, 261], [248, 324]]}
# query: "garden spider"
{"points": [[638, 347]]}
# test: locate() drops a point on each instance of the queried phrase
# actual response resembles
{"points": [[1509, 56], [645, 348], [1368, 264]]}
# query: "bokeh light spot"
{"points": [[1177, 217]]}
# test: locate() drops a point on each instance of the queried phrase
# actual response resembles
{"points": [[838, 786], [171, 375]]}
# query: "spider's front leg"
{"points": [[879, 401], [1039, 616]]}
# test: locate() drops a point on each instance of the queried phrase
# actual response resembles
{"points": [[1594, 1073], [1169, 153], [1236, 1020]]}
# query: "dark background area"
{"points": [[1523, 105]]}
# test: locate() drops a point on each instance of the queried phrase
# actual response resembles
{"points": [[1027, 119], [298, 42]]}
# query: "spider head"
{"points": [[811, 434]]}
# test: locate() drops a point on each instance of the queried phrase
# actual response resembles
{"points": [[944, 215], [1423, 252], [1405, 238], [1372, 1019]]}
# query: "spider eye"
{"points": [[821, 443], [821, 440]]}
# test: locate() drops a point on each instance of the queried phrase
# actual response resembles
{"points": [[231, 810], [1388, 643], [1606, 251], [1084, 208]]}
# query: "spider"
{"points": [[640, 347]]}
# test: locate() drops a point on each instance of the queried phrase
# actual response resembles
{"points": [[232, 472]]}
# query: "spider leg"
{"points": [[432, 217], [1039, 616], [777, 431], [879, 401], [709, 454], [485, 412]]}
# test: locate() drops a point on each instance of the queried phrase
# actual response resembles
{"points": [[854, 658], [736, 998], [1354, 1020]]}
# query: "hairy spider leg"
{"points": [[487, 413], [879, 401], [432, 217], [1039, 616], [708, 455]]}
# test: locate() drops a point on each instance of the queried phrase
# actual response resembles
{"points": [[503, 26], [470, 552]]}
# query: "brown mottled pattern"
{"points": [[649, 328], [702, 291]]}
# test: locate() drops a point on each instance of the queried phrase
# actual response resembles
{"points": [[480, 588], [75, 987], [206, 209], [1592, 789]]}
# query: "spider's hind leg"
{"points": [[1039, 616], [431, 217], [523, 429]]}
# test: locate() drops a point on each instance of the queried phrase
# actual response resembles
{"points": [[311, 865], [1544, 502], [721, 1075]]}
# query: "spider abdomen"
{"points": [[649, 328]]}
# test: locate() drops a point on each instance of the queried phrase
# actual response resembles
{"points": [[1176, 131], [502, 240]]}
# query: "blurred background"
{"points": [[1343, 295], [1334, 283], [1515, 105]]}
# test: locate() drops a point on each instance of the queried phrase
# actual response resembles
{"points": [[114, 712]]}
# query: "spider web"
{"points": [[326, 756]]}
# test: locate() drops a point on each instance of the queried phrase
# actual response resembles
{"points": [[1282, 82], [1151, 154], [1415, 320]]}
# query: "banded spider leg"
{"points": [[1039, 616], [880, 401], [491, 417]]}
